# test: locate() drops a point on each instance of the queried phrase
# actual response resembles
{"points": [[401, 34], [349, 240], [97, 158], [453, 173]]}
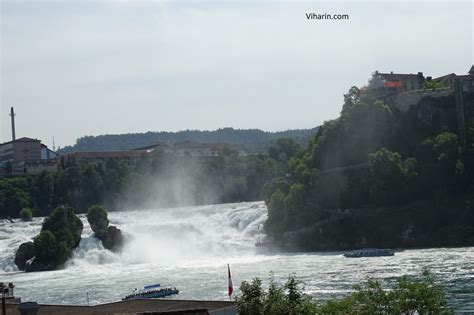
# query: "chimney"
{"points": [[12, 115]]}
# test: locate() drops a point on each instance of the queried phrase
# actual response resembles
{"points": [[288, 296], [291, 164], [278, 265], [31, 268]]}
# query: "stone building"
{"points": [[392, 83], [447, 107], [467, 80], [26, 155]]}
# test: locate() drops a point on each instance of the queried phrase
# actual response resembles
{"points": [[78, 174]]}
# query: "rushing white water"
{"points": [[190, 247]]}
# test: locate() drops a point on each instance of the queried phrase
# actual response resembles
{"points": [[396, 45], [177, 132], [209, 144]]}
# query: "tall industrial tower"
{"points": [[12, 115]]}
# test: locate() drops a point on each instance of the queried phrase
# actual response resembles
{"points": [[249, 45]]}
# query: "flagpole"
{"points": [[230, 285]]}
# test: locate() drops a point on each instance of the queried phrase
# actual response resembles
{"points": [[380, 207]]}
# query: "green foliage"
{"points": [[387, 172], [64, 225], [97, 218], [351, 98], [116, 184], [61, 231], [284, 149], [49, 250], [433, 85], [26, 214], [375, 177], [365, 127], [250, 140], [290, 299], [470, 135], [276, 213], [13, 196], [404, 297]]}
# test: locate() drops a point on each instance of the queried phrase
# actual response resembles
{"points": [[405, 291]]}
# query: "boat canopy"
{"points": [[152, 286]]}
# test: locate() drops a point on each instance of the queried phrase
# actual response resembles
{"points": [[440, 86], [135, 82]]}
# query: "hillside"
{"points": [[379, 177], [250, 140]]}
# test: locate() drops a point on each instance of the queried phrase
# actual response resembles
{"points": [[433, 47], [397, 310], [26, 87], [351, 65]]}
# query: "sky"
{"points": [[76, 68]]}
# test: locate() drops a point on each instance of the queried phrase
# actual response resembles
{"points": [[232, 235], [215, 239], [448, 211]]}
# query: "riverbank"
{"points": [[416, 225]]}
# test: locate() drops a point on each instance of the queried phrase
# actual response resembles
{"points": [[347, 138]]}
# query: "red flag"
{"points": [[231, 287]]}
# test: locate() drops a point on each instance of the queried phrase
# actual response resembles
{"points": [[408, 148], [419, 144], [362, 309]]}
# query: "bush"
{"points": [[97, 218], [65, 226], [26, 214], [50, 252], [289, 299], [51, 248], [405, 297]]}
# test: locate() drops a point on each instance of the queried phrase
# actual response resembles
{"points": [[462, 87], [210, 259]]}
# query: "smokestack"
{"points": [[12, 114]]}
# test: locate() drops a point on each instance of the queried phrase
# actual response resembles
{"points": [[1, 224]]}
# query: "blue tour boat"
{"points": [[369, 252], [152, 292]]}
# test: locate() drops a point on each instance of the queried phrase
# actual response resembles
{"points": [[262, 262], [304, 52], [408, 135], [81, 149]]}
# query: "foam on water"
{"points": [[190, 247]]}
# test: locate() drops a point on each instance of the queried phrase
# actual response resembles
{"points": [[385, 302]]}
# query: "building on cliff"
{"points": [[393, 83], [449, 105]]}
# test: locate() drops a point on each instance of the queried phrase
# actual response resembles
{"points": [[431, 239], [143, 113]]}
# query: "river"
{"points": [[190, 248]]}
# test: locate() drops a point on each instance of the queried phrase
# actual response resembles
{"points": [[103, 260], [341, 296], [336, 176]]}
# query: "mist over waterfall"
{"points": [[156, 236]]}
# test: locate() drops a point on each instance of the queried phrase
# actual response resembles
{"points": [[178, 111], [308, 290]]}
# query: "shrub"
{"points": [[49, 251], [26, 214], [407, 296], [97, 218], [65, 226]]}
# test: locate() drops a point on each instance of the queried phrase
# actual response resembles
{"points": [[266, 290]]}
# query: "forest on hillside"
{"points": [[248, 140], [377, 177]]}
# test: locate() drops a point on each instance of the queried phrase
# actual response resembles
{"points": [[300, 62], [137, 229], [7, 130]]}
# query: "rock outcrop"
{"points": [[24, 253], [60, 233], [113, 239], [110, 236]]}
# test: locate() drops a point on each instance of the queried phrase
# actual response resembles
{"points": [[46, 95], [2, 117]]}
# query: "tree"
{"points": [[65, 226], [284, 149], [276, 212], [50, 252], [26, 214], [351, 98], [406, 296], [97, 218], [387, 176], [277, 301]]}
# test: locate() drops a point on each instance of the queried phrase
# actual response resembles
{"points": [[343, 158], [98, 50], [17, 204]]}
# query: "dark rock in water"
{"points": [[24, 253], [113, 240], [50, 249], [97, 218], [34, 265], [110, 236]]}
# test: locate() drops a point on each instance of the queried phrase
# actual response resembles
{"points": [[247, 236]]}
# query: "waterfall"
{"points": [[155, 236]]}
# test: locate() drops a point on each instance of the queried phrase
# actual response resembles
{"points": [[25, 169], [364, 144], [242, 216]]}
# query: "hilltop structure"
{"points": [[439, 101]]}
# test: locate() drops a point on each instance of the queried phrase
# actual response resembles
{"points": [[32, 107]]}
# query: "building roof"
{"points": [[22, 139], [152, 146], [399, 76], [108, 154], [145, 306], [471, 71]]}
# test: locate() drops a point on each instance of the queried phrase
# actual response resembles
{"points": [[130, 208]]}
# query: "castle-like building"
{"points": [[444, 102]]}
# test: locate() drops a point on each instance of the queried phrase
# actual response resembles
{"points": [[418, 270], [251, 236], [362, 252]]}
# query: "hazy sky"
{"points": [[75, 68]]}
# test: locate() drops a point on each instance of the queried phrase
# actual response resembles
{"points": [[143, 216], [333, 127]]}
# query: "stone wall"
{"points": [[404, 101]]}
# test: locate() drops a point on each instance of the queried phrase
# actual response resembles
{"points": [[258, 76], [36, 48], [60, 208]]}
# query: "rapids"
{"points": [[189, 247]]}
